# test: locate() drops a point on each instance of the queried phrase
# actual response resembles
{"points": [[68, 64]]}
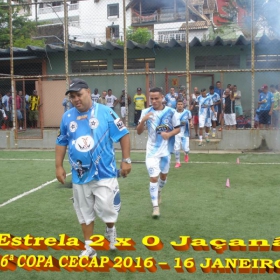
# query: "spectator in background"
{"points": [[67, 103], [238, 106], [111, 100], [102, 98], [276, 107], [7, 109], [18, 102], [34, 101], [194, 110], [95, 95], [195, 89], [171, 98], [122, 102], [229, 109], [266, 102], [26, 102], [220, 91], [140, 104]]}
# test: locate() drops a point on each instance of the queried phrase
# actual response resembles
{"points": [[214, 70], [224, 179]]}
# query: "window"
{"points": [[113, 10], [217, 62], [86, 66], [134, 64], [265, 61]]}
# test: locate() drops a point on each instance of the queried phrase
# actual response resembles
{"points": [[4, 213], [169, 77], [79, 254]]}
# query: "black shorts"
{"points": [[264, 117]]}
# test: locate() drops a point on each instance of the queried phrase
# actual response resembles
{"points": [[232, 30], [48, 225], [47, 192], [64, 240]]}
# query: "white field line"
{"points": [[50, 182], [29, 192], [142, 161]]}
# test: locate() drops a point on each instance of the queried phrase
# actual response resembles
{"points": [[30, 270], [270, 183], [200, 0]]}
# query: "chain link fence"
{"points": [[129, 47]]}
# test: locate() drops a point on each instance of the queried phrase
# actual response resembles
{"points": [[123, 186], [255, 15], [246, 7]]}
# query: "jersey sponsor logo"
{"points": [[81, 117], [73, 126], [84, 143], [93, 123], [162, 128], [120, 125]]}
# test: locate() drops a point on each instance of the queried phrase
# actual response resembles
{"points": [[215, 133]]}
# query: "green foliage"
{"points": [[23, 29], [140, 35]]}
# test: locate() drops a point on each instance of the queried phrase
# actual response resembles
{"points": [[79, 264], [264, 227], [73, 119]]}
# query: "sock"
{"points": [[214, 130], [200, 137], [186, 152], [110, 229], [206, 134], [87, 243], [177, 156], [161, 184], [154, 193]]}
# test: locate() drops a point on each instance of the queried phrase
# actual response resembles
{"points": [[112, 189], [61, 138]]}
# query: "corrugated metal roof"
{"points": [[195, 42]]}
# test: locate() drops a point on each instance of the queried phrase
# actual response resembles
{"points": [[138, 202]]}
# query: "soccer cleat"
{"points": [[111, 236], [156, 213], [159, 197], [200, 143], [177, 165], [213, 135], [186, 158], [91, 253]]}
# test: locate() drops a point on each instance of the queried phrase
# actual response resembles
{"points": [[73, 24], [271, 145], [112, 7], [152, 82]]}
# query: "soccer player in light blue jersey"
{"points": [[182, 138], [170, 98], [163, 124], [89, 130], [216, 101], [205, 104]]}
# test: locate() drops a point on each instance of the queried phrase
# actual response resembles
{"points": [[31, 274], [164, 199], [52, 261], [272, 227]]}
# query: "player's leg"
{"points": [[83, 202], [214, 123], [177, 147], [186, 147], [153, 168], [202, 119], [107, 206]]}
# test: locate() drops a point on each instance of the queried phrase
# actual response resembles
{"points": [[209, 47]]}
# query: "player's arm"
{"points": [[167, 135], [141, 126], [60, 152], [125, 146], [272, 105], [116, 102]]}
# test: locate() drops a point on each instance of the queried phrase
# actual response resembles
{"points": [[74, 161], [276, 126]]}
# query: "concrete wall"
{"points": [[231, 140]]}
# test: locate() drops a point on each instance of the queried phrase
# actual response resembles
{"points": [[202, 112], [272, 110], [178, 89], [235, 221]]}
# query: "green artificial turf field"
{"points": [[196, 203]]}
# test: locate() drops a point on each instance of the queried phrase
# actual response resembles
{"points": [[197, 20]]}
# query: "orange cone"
{"points": [[237, 161], [227, 183]]}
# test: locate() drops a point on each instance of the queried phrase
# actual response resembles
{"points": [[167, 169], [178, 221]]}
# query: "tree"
{"points": [[266, 15], [23, 29], [139, 35]]}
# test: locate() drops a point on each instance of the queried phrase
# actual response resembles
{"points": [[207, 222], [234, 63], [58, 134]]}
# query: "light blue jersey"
{"points": [[216, 98], [204, 104], [171, 101], [89, 137], [185, 116], [269, 98], [162, 121]]}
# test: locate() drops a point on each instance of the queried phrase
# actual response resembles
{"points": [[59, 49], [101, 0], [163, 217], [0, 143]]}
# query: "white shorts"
{"points": [[185, 143], [213, 116], [97, 197], [123, 112], [204, 121], [156, 165], [230, 119]]}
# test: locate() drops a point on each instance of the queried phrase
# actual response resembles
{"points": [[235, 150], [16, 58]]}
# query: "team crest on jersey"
{"points": [[84, 143], [120, 125], [73, 126], [166, 121], [93, 123]]}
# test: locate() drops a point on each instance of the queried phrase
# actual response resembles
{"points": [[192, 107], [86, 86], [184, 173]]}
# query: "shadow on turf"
{"points": [[67, 185]]}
